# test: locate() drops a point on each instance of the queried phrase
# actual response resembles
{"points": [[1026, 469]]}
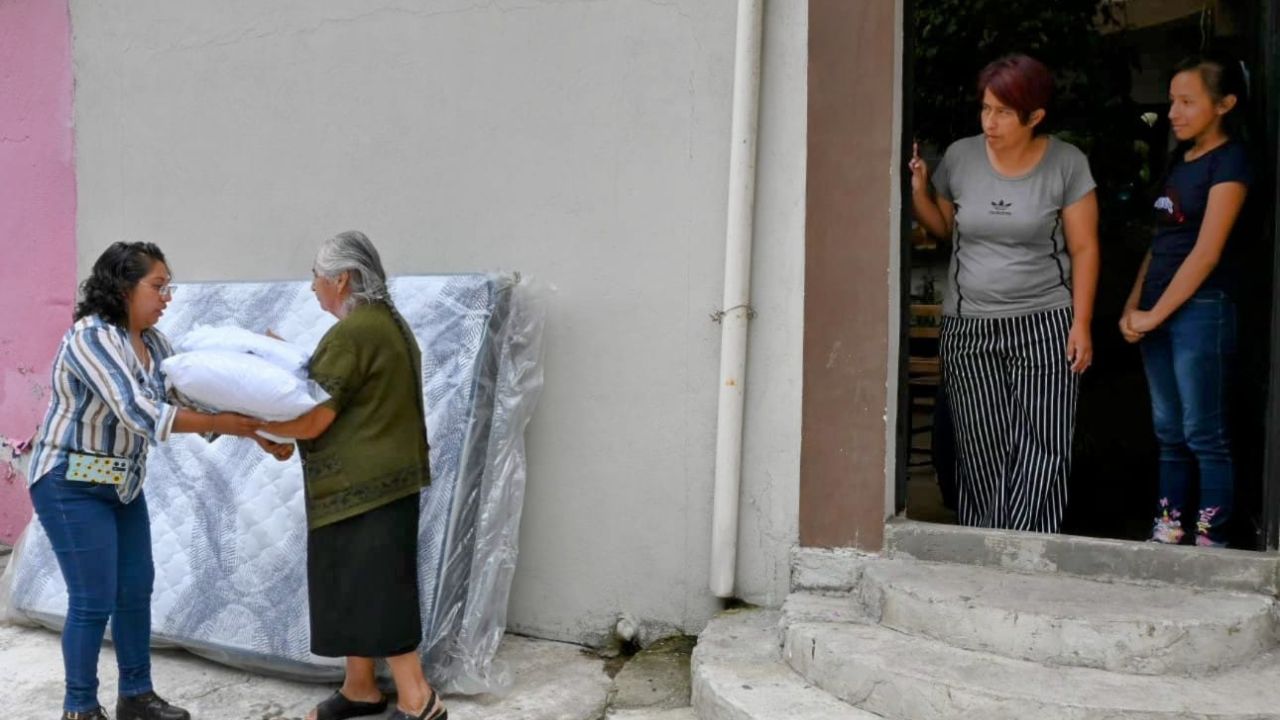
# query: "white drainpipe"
{"points": [[737, 300]]}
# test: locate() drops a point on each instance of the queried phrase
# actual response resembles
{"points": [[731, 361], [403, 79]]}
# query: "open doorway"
{"points": [[1112, 60]]}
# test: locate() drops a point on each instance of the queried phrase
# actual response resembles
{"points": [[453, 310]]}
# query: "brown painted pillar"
{"points": [[848, 243]]}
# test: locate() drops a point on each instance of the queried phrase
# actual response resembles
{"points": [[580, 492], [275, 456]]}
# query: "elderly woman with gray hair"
{"points": [[364, 458]]}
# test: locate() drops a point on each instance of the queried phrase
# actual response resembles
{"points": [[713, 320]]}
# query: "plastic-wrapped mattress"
{"points": [[228, 523]]}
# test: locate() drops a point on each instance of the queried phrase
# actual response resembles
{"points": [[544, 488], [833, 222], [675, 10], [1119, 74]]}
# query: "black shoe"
{"points": [[97, 713], [148, 706]]}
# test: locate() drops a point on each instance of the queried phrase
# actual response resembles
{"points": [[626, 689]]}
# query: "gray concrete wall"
{"points": [[584, 143]]}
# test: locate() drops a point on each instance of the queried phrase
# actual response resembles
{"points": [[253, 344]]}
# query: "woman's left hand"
{"points": [[1079, 347]]}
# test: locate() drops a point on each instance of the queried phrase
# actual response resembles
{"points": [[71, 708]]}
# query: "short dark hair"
{"points": [[115, 273], [1222, 75], [1021, 82]]}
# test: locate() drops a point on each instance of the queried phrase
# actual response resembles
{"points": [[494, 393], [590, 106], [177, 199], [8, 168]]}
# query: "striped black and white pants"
{"points": [[1013, 402]]}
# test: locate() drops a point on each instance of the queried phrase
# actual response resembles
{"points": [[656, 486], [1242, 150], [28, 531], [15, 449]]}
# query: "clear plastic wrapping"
{"points": [[228, 522]]}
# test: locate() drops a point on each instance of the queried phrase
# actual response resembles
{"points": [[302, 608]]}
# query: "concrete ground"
{"points": [[554, 681]]}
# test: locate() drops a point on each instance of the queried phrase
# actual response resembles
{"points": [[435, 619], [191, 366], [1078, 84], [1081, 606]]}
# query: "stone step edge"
{"points": [[840, 569], [1086, 684], [738, 674], [1055, 619], [1095, 558], [830, 571], [857, 609]]}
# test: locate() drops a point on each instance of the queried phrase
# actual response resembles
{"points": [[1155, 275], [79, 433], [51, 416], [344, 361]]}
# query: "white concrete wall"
{"points": [[584, 143]]}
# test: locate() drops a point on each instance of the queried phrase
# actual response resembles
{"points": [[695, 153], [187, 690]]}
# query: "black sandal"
{"points": [[340, 707], [441, 712]]}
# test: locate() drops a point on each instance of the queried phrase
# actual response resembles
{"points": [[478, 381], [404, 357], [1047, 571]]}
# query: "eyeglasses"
{"points": [[164, 291]]}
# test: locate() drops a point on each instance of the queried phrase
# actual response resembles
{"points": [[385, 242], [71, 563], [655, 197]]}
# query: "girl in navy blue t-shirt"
{"points": [[1181, 310]]}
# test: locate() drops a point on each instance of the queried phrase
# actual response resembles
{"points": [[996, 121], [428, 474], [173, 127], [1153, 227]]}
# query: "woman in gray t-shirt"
{"points": [[1020, 210]]}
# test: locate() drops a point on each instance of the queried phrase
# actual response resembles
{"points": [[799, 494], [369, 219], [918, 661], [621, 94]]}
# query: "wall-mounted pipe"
{"points": [[737, 312]]}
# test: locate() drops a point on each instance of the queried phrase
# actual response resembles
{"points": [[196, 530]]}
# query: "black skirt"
{"points": [[362, 583]]}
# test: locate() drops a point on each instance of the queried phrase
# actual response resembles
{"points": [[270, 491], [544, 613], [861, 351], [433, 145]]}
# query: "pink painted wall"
{"points": [[37, 224]]}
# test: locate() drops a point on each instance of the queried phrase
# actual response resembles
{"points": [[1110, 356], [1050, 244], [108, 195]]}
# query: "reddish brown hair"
{"points": [[1021, 82]]}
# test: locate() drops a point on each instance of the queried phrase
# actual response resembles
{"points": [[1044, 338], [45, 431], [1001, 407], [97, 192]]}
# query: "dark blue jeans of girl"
{"points": [[104, 549], [1188, 363]]}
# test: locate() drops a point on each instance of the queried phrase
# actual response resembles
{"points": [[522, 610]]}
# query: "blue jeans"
{"points": [[1188, 362], [104, 549]]}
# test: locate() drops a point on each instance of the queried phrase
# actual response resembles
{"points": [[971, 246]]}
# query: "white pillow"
{"points": [[242, 383], [234, 339]]}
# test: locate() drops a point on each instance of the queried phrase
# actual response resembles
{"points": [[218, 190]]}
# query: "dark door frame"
{"points": [[1269, 50], [902, 445], [1270, 102]]}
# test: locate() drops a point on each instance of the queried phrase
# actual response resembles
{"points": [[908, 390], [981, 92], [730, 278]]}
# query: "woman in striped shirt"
{"points": [[107, 405]]}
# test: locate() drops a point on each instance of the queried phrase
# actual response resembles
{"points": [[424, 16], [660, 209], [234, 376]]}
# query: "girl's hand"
{"points": [[1126, 328], [1079, 347], [919, 171], [279, 451], [1142, 321]]}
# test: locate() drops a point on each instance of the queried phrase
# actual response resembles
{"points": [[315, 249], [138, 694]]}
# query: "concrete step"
{"points": [[1064, 620], [1208, 568], [1057, 619], [801, 607], [911, 678], [827, 569], [738, 674]]}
